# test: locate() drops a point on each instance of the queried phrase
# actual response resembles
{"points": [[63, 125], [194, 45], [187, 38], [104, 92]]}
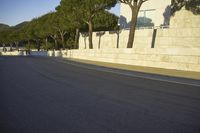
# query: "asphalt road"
{"points": [[44, 95]]}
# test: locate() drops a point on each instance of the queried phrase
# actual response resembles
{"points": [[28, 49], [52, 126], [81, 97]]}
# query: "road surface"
{"points": [[46, 95]]}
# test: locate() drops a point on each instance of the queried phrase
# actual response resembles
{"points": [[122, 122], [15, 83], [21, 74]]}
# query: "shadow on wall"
{"points": [[117, 32], [167, 15], [123, 22], [85, 35], [100, 34], [144, 22], [141, 22]]}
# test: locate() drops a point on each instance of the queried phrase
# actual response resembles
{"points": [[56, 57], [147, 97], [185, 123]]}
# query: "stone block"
{"points": [[184, 59], [194, 67]]}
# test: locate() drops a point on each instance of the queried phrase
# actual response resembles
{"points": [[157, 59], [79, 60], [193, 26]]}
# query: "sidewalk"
{"points": [[150, 70]]}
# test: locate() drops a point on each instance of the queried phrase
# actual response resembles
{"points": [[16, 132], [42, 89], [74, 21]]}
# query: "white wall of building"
{"points": [[152, 9]]}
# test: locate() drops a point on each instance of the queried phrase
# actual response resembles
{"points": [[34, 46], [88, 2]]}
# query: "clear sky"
{"points": [[116, 10], [13, 12]]}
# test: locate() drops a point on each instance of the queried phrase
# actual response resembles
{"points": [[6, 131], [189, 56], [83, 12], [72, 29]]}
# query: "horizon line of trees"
{"points": [[61, 29]]}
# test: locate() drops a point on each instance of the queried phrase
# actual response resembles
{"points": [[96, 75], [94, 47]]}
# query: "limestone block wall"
{"points": [[109, 40], [170, 58], [13, 53], [184, 32], [174, 37], [177, 47], [185, 19]]}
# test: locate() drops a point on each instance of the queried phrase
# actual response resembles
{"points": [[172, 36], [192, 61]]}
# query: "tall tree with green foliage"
{"points": [[90, 8], [191, 5], [44, 31], [4, 37], [58, 27], [105, 21], [72, 13], [135, 6], [25, 34], [14, 37], [84, 11]]}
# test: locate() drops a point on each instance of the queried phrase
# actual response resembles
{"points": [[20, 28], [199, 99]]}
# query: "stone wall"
{"points": [[13, 53], [165, 38], [185, 19], [169, 58], [184, 32], [177, 47]]}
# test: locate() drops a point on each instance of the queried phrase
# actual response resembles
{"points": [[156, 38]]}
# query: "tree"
{"points": [[191, 5], [14, 38], [57, 26], [90, 8], [46, 29], [135, 7], [72, 13], [4, 38], [4, 27], [105, 21], [34, 32], [25, 34], [84, 11]]}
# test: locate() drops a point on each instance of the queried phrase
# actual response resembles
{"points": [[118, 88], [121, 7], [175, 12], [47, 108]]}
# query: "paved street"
{"points": [[46, 95]]}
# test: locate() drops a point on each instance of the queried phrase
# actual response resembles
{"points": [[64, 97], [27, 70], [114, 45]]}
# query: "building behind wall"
{"points": [[156, 10]]}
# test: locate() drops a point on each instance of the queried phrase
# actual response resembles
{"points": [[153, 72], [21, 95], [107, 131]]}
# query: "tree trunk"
{"points": [[4, 47], [132, 28], [29, 45], [85, 42], [99, 46], [117, 39], [76, 43], [54, 37], [46, 43], [56, 44], [29, 48], [90, 34], [38, 44], [62, 39], [17, 45], [11, 49]]}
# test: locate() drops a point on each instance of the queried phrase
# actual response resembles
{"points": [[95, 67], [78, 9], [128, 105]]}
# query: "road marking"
{"points": [[117, 71]]}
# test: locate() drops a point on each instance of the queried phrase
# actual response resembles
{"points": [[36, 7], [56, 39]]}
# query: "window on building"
{"points": [[145, 18]]}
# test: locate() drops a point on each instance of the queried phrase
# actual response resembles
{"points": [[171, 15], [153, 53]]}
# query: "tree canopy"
{"points": [[57, 29], [191, 5]]}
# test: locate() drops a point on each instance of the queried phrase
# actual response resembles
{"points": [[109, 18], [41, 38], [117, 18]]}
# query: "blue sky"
{"points": [[116, 10], [13, 12]]}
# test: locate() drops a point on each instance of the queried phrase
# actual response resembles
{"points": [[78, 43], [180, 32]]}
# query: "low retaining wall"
{"points": [[57, 53], [13, 53], [187, 59], [170, 58]]}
